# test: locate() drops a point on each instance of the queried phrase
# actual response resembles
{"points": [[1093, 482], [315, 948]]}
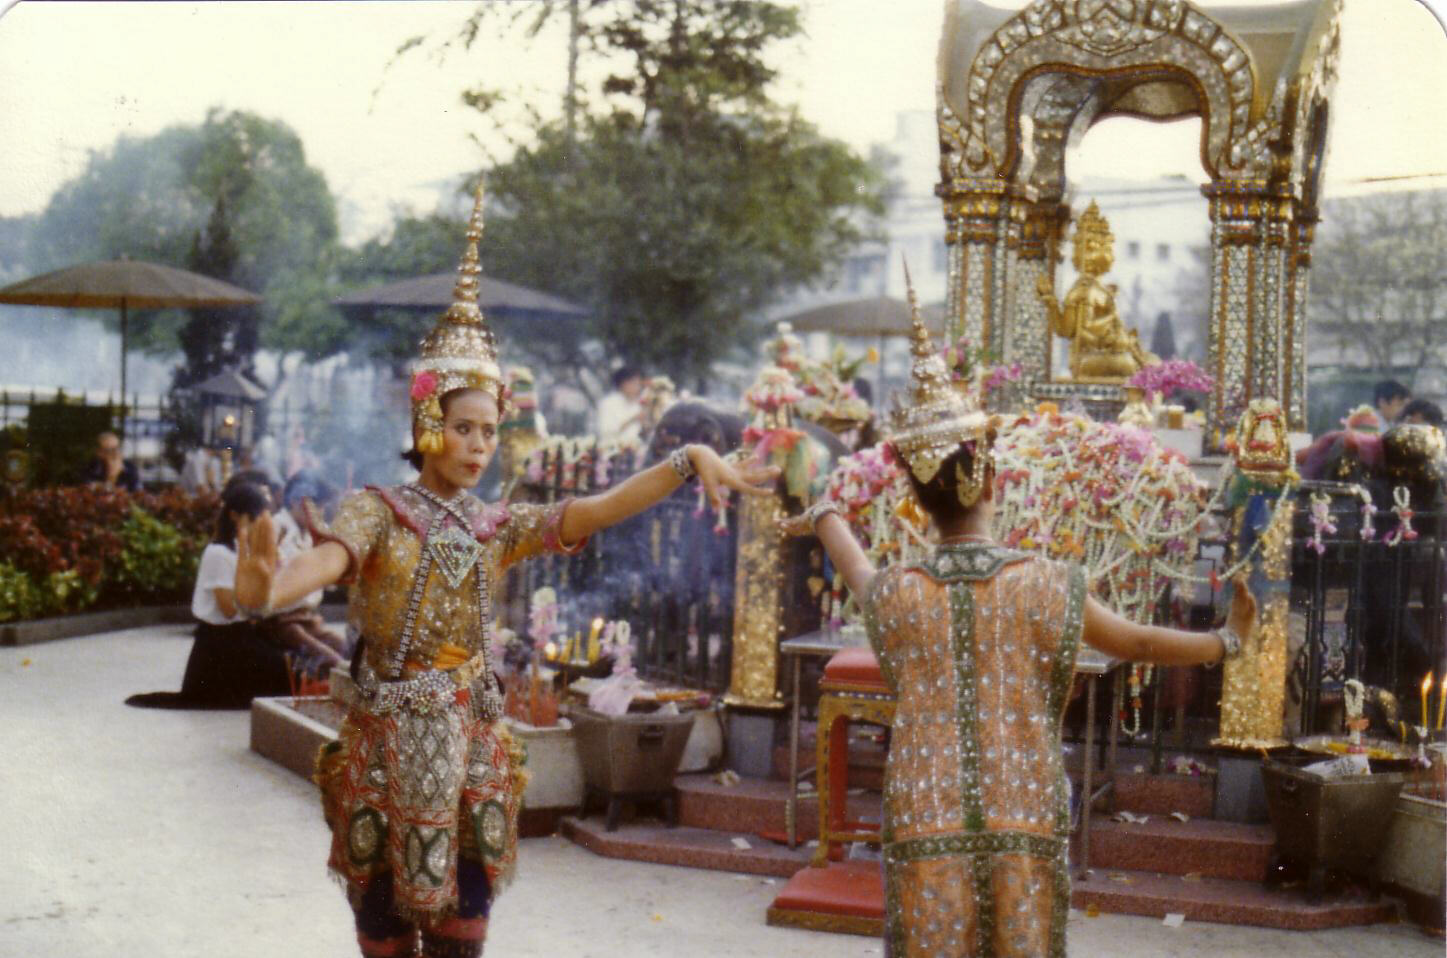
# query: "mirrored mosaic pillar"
{"points": [[1257, 318]]}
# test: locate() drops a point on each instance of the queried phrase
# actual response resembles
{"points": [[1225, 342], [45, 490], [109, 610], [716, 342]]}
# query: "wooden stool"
{"points": [[852, 690]]}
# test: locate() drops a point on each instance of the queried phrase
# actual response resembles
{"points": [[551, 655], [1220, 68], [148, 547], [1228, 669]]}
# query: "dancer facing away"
{"points": [[978, 642], [422, 788]]}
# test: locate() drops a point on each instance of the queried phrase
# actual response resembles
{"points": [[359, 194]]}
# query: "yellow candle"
{"points": [[1426, 688], [593, 650], [1442, 703]]}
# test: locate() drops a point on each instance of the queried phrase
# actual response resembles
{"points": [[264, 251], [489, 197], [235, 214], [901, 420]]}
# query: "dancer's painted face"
{"points": [[469, 438]]}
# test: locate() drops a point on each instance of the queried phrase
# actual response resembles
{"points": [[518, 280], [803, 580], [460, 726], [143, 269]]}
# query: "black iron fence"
{"points": [[1368, 596], [668, 572]]}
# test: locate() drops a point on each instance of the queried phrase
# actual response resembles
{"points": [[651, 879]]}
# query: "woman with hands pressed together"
{"points": [[421, 790], [978, 643]]}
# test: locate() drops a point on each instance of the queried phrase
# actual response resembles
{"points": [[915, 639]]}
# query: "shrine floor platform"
{"points": [[134, 833]]}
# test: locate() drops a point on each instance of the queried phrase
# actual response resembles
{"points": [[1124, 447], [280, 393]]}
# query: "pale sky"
{"points": [[75, 76]]}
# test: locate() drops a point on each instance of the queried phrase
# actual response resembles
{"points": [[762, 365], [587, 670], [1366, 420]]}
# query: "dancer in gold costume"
{"points": [[978, 643], [421, 789]]}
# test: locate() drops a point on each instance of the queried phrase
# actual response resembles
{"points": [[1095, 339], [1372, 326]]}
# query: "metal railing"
{"points": [[669, 572]]}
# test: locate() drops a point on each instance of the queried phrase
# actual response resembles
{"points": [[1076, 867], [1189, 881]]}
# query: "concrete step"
{"points": [[866, 755], [756, 806], [1222, 900], [647, 841], [1200, 847], [1141, 792]]}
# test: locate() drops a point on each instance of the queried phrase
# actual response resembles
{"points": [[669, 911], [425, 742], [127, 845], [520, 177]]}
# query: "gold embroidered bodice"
{"points": [[383, 531]]}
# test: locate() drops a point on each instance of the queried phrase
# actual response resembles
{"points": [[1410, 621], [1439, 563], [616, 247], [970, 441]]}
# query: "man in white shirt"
{"points": [[620, 414]]}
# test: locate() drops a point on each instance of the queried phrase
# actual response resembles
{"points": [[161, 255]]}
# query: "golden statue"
{"points": [[1102, 349]]}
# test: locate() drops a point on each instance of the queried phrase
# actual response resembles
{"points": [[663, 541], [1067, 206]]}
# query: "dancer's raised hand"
{"points": [[256, 562], [751, 476], [1241, 617]]}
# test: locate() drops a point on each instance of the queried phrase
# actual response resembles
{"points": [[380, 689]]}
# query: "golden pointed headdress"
{"points": [[938, 417], [460, 352]]}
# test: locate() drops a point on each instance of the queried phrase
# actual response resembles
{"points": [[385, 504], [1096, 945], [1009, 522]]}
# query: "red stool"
{"points": [[852, 690]]}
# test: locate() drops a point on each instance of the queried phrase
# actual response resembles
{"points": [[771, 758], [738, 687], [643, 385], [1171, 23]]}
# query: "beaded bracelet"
{"points": [[682, 465], [1230, 641], [819, 510]]}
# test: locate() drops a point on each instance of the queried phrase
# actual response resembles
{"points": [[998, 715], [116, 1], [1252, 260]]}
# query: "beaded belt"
{"points": [[426, 692]]}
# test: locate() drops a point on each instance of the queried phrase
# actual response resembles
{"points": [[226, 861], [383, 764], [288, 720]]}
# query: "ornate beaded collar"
{"points": [[970, 561]]}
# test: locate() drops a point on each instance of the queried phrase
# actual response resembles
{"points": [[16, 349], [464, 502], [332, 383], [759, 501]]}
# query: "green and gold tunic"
{"points": [[978, 642]]}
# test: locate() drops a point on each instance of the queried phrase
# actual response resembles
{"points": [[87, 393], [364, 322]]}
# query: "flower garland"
{"points": [[543, 617], [1105, 495], [966, 363], [1402, 507], [874, 497], [1369, 512], [1320, 521]]}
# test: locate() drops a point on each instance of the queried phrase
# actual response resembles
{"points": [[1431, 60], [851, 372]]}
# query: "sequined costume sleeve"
{"points": [[359, 526], [533, 529]]}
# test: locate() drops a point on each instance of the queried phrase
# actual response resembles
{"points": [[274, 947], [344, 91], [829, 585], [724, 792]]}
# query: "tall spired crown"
{"points": [[460, 352], [938, 417]]}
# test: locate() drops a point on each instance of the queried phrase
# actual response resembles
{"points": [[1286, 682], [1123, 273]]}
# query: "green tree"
{"points": [[1379, 281], [682, 198], [158, 197]]}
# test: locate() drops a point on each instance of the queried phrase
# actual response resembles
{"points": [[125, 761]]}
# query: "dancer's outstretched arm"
{"points": [[589, 514], [262, 586], [1121, 638], [844, 550]]}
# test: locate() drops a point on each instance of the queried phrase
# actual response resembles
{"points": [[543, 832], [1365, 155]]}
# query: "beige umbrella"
{"points": [[880, 316], [127, 284]]}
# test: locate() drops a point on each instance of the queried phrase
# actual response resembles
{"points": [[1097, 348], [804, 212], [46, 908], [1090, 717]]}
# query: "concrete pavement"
{"points": [[131, 833]]}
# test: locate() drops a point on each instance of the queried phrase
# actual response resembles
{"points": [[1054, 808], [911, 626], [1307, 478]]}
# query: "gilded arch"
{"points": [[1016, 87]]}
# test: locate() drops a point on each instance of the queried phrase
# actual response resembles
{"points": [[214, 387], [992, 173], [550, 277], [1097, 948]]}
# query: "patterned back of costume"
{"points": [[979, 644]]}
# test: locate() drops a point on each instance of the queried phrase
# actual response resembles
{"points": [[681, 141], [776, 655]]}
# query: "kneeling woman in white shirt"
{"points": [[236, 658]]}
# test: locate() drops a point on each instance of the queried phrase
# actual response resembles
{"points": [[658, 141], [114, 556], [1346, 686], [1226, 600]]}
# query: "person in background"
{"points": [[299, 628], [232, 660], [1389, 398], [201, 472], [109, 468], [266, 455], [303, 491], [1422, 412], [620, 414]]}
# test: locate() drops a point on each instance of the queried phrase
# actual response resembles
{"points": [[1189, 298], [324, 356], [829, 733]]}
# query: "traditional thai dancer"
{"points": [[421, 789], [978, 642]]}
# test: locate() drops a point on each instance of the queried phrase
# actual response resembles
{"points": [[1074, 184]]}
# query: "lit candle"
{"points": [[1426, 689], [593, 650], [1442, 703]]}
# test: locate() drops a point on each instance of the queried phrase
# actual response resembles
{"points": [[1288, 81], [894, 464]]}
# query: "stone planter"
{"points": [[290, 731], [555, 774], [1414, 857]]}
